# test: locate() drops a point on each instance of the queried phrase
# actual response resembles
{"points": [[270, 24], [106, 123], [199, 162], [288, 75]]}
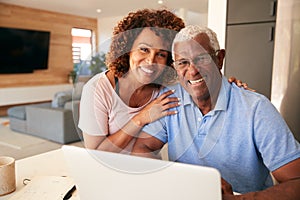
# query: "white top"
{"points": [[102, 111]]}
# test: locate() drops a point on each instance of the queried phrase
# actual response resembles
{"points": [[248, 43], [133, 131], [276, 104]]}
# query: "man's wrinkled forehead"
{"points": [[189, 48]]}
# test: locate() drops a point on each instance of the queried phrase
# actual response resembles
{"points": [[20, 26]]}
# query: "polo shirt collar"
{"points": [[222, 101]]}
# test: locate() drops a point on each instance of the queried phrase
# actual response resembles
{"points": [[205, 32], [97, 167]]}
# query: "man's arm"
{"points": [[147, 146], [288, 177]]}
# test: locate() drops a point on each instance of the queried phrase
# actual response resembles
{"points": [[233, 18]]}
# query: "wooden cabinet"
{"points": [[245, 11], [249, 44]]}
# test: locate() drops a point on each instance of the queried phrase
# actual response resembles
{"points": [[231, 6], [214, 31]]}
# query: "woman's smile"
{"points": [[147, 70]]}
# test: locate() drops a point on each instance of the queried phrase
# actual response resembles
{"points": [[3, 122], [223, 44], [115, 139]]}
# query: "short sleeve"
{"points": [[276, 146], [92, 116]]}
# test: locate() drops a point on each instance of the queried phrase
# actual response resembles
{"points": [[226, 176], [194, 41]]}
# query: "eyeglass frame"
{"points": [[189, 61]]}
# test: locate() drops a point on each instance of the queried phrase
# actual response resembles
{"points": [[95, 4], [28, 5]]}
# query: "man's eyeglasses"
{"points": [[200, 60]]}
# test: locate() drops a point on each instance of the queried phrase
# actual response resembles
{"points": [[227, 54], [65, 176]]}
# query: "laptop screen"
{"points": [[105, 175]]}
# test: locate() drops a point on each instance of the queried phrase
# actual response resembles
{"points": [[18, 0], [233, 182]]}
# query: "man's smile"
{"points": [[192, 82]]}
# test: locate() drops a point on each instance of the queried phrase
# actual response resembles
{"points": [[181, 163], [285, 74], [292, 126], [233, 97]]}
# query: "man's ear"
{"points": [[220, 57]]}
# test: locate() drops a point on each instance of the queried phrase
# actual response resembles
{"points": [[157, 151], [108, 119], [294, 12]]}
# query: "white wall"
{"points": [[216, 19], [105, 30], [192, 18], [287, 27], [20, 95], [286, 64], [106, 25]]}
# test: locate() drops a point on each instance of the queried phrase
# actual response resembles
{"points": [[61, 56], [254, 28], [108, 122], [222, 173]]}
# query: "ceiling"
{"points": [[109, 8]]}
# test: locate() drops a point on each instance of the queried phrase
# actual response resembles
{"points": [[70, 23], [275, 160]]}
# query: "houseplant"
{"points": [[97, 64], [72, 76]]}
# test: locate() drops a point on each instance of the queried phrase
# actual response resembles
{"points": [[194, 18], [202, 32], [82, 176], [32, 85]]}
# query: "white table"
{"points": [[51, 163]]}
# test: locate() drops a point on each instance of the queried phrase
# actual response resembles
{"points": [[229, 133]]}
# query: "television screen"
{"points": [[22, 51]]}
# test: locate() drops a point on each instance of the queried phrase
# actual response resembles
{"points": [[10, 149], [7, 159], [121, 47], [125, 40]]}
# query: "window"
{"points": [[81, 44], [81, 49]]}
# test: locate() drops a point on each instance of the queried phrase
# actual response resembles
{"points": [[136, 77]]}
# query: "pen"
{"points": [[69, 193]]}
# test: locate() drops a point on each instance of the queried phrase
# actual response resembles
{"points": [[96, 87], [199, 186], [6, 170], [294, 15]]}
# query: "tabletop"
{"points": [[51, 163]]}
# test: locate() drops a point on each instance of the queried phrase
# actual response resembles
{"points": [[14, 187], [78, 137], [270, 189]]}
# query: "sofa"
{"points": [[55, 121]]}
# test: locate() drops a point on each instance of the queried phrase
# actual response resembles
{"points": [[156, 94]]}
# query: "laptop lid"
{"points": [[112, 176]]}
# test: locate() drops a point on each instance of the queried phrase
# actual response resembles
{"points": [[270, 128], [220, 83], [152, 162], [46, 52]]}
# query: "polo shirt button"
{"points": [[199, 119]]}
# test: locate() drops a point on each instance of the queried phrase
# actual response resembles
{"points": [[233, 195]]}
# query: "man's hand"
{"points": [[226, 187]]}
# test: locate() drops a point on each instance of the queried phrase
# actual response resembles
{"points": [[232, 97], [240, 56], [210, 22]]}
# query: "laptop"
{"points": [[101, 175]]}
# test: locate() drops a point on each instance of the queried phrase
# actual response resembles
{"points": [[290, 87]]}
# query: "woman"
{"points": [[116, 104]]}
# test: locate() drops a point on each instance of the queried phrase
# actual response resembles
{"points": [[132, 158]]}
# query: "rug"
{"points": [[17, 140]]}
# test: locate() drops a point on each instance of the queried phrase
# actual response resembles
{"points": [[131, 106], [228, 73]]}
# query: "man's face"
{"points": [[195, 63]]}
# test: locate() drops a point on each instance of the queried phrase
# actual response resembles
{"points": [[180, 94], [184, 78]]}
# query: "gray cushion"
{"points": [[77, 90], [17, 112], [68, 105], [60, 98]]}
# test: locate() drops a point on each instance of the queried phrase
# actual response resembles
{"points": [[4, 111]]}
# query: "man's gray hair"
{"points": [[189, 32]]}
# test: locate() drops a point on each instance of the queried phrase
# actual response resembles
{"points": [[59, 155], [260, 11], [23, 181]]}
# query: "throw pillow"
{"points": [[60, 98]]}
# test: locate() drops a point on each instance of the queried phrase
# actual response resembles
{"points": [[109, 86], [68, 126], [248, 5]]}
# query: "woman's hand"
{"points": [[158, 108], [239, 83]]}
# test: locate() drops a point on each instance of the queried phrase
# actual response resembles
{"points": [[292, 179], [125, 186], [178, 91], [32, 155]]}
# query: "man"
{"points": [[237, 131]]}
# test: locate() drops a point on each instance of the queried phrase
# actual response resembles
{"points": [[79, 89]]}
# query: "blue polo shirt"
{"points": [[244, 136]]}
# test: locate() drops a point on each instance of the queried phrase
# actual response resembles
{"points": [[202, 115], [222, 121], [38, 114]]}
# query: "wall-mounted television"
{"points": [[22, 50]]}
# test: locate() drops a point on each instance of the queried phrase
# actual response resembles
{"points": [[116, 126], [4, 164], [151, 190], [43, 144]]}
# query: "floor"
{"points": [[19, 145]]}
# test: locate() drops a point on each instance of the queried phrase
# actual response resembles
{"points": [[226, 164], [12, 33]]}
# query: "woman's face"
{"points": [[148, 57]]}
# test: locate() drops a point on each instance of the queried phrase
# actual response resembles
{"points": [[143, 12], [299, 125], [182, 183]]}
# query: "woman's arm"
{"points": [[147, 146], [116, 142]]}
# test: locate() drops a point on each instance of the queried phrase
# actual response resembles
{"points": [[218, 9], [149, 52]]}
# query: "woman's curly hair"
{"points": [[163, 22]]}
